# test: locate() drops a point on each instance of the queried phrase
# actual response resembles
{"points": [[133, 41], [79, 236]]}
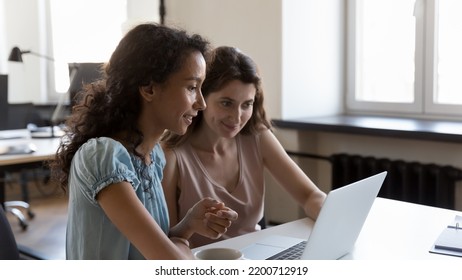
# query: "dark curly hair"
{"points": [[224, 65], [148, 53]]}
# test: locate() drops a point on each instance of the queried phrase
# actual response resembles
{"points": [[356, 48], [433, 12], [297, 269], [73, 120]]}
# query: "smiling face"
{"points": [[229, 109], [173, 104]]}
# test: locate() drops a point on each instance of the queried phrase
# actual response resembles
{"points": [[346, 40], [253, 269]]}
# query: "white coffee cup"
{"points": [[218, 254]]}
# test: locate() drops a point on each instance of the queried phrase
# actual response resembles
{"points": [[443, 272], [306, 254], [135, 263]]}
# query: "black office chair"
{"points": [[18, 117], [16, 207], [9, 249]]}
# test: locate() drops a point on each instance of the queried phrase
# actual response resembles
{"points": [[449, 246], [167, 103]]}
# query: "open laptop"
{"points": [[335, 231]]}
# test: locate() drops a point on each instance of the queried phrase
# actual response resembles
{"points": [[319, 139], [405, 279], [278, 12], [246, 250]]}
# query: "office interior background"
{"points": [[299, 45]]}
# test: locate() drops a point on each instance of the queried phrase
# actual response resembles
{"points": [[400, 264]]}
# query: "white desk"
{"points": [[46, 149], [393, 230]]}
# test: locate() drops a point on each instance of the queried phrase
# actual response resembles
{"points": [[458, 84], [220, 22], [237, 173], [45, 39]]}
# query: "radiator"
{"points": [[428, 184]]}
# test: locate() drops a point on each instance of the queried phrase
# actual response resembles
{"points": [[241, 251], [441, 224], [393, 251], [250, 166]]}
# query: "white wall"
{"points": [[22, 24], [253, 26], [142, 11], [313, 58]]}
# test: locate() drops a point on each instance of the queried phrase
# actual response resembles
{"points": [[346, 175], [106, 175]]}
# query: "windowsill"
{"points": [[405, 128]]}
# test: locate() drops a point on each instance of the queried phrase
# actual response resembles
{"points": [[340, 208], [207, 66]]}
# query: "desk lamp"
{"points": [[16, 56]]}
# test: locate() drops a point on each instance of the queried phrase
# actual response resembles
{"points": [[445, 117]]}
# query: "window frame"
{"points": [[425, 70]]}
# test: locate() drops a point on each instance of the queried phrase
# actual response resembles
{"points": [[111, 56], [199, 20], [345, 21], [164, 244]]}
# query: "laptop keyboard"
{"points": [[291, 253]]}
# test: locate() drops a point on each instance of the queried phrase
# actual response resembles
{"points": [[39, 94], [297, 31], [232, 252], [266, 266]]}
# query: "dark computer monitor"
{"points": [[82, 73], [3, 101], [79, 74]]}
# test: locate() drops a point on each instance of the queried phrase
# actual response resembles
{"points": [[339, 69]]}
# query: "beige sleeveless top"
{"points": [[246, 198]]}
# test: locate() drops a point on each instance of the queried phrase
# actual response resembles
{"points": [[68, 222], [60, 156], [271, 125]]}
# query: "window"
{"points": [[404, 57], [84, 31]]}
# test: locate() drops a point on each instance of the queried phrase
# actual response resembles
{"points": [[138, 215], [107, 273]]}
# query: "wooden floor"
{"points": [[46, 231]]}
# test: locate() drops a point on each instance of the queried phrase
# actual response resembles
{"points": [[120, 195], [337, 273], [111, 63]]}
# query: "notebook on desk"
{"points": [[335, 231]]}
